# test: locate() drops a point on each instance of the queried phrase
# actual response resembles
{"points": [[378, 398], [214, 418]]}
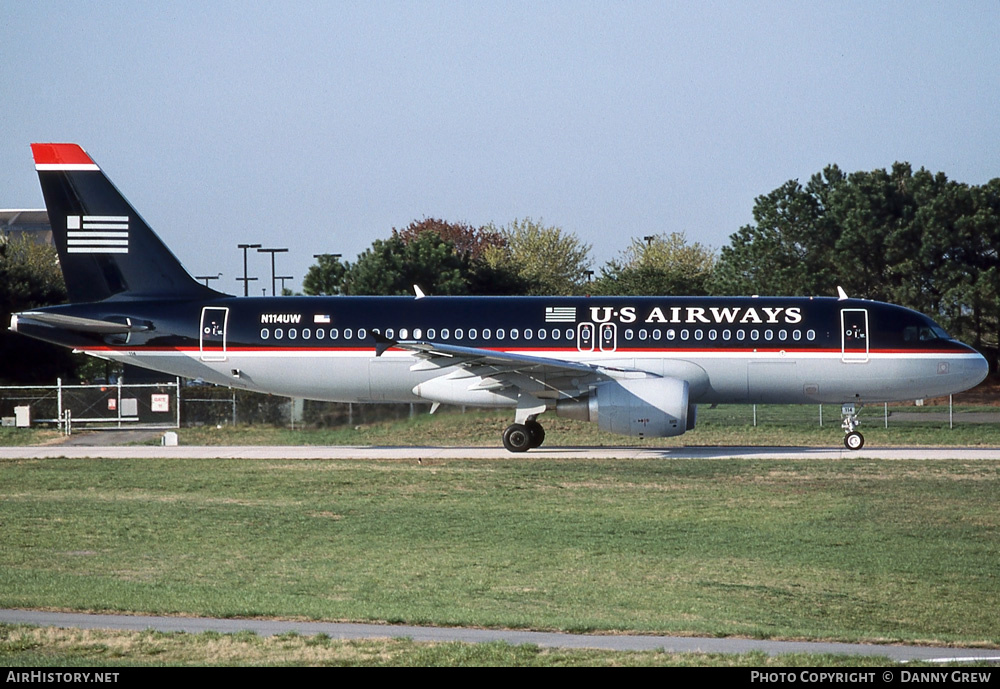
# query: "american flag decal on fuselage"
{"points": [[97, 234], [560, 314]]}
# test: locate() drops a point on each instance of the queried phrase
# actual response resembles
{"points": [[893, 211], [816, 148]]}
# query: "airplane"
{"points": [[636, 366]]}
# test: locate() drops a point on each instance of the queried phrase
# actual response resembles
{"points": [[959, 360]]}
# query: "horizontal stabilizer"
{"points": [[77, 323]]}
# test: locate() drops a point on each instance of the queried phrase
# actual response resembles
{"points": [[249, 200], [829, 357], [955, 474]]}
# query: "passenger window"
{"points": [[445, 333], [348, 333], [403, 333], [628, 333], [810, 335], [670, 334], [727, 335], [570, 334], [389, 332], [417, 333], [334, 333], [741, 335], [361, 333], [656, 334], [431, 332], [698, 335], [527, 333], [264, 333], [486, 333], [292, 333], [320, 334], [712, 334], [458, 333], [472, 333], [306, 333], [499, 333], [513, 333], [278, 333], [643, 334], [685, 334]]}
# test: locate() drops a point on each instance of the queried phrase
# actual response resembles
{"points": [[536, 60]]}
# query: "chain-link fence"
{"points": [[174, 404]]}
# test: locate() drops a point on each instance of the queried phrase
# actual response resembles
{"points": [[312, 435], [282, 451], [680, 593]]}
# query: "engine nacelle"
{"points": [[643, 407]]}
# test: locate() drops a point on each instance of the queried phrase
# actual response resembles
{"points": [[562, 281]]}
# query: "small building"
{"points": [[33, 223]]}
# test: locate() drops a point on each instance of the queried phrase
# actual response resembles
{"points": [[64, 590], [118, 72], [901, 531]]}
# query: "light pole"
{"points": [[245, 279], [206, 278], [273, 275]]}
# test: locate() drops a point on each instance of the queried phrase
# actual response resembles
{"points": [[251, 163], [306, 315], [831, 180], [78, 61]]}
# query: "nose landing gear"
{"points": [[853, 440]]}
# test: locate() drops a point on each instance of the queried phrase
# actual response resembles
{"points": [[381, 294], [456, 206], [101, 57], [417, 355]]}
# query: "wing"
{"points": [[476, 372]]}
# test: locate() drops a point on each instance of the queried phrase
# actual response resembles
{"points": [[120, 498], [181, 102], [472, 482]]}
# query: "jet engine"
{"points": [[642, 407]]}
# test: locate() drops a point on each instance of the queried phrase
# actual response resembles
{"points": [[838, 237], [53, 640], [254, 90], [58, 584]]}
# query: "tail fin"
{"points": [[105, 248]]}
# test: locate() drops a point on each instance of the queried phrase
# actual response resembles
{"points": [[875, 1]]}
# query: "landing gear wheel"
{"points": [[854, 441], [516, 438], [535, 432]]}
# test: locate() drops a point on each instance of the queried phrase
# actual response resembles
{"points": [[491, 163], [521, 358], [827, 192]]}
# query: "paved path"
{"points": [[617, 642]]}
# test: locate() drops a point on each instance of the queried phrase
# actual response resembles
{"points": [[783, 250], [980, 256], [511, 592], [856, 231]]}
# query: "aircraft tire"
{"points": [[854, 441], [516, 438], [536, 433]]}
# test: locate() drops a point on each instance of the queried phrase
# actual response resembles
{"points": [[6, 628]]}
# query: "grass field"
{"points": [[852, 550]]}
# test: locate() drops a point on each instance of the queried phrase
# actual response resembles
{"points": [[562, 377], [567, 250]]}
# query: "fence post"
{"points": [[821, 416], [178, 405], [951, 412], [59, 409], [119, 407]]}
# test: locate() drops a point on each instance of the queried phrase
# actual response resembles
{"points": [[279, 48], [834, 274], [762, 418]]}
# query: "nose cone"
{"points": [[979, 368]]}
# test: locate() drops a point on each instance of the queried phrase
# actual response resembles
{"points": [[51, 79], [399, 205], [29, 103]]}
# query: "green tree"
{"points": [[912, 238], [392, 266], [547, 260], [325, 277], [29, 278], [662, 265]]}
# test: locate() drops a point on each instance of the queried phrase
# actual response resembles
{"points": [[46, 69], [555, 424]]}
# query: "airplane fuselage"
{"points": [[730, 350]]}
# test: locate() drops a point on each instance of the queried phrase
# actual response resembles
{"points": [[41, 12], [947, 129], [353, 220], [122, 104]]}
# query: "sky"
{"points": [[321, 126]]}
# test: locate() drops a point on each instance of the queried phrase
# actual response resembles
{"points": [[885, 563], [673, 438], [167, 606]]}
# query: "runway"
{"points": [[421, 454], [616, 642]]}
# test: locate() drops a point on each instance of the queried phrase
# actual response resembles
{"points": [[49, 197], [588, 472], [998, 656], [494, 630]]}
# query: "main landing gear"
{"points": [[521, 437], [853, 440]]}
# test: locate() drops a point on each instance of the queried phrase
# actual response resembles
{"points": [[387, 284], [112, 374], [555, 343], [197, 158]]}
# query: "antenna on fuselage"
{"points": [[841, 294]]}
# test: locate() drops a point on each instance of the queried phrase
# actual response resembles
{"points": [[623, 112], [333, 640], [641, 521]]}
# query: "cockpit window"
{"points": [[924, 333]]}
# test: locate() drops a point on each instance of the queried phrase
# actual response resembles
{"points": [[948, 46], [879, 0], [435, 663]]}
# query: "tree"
{"points": [[468, 241], [665, 264], [440, 257], [548, 260], [912, 238], [30, 277], [326, 277]]}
